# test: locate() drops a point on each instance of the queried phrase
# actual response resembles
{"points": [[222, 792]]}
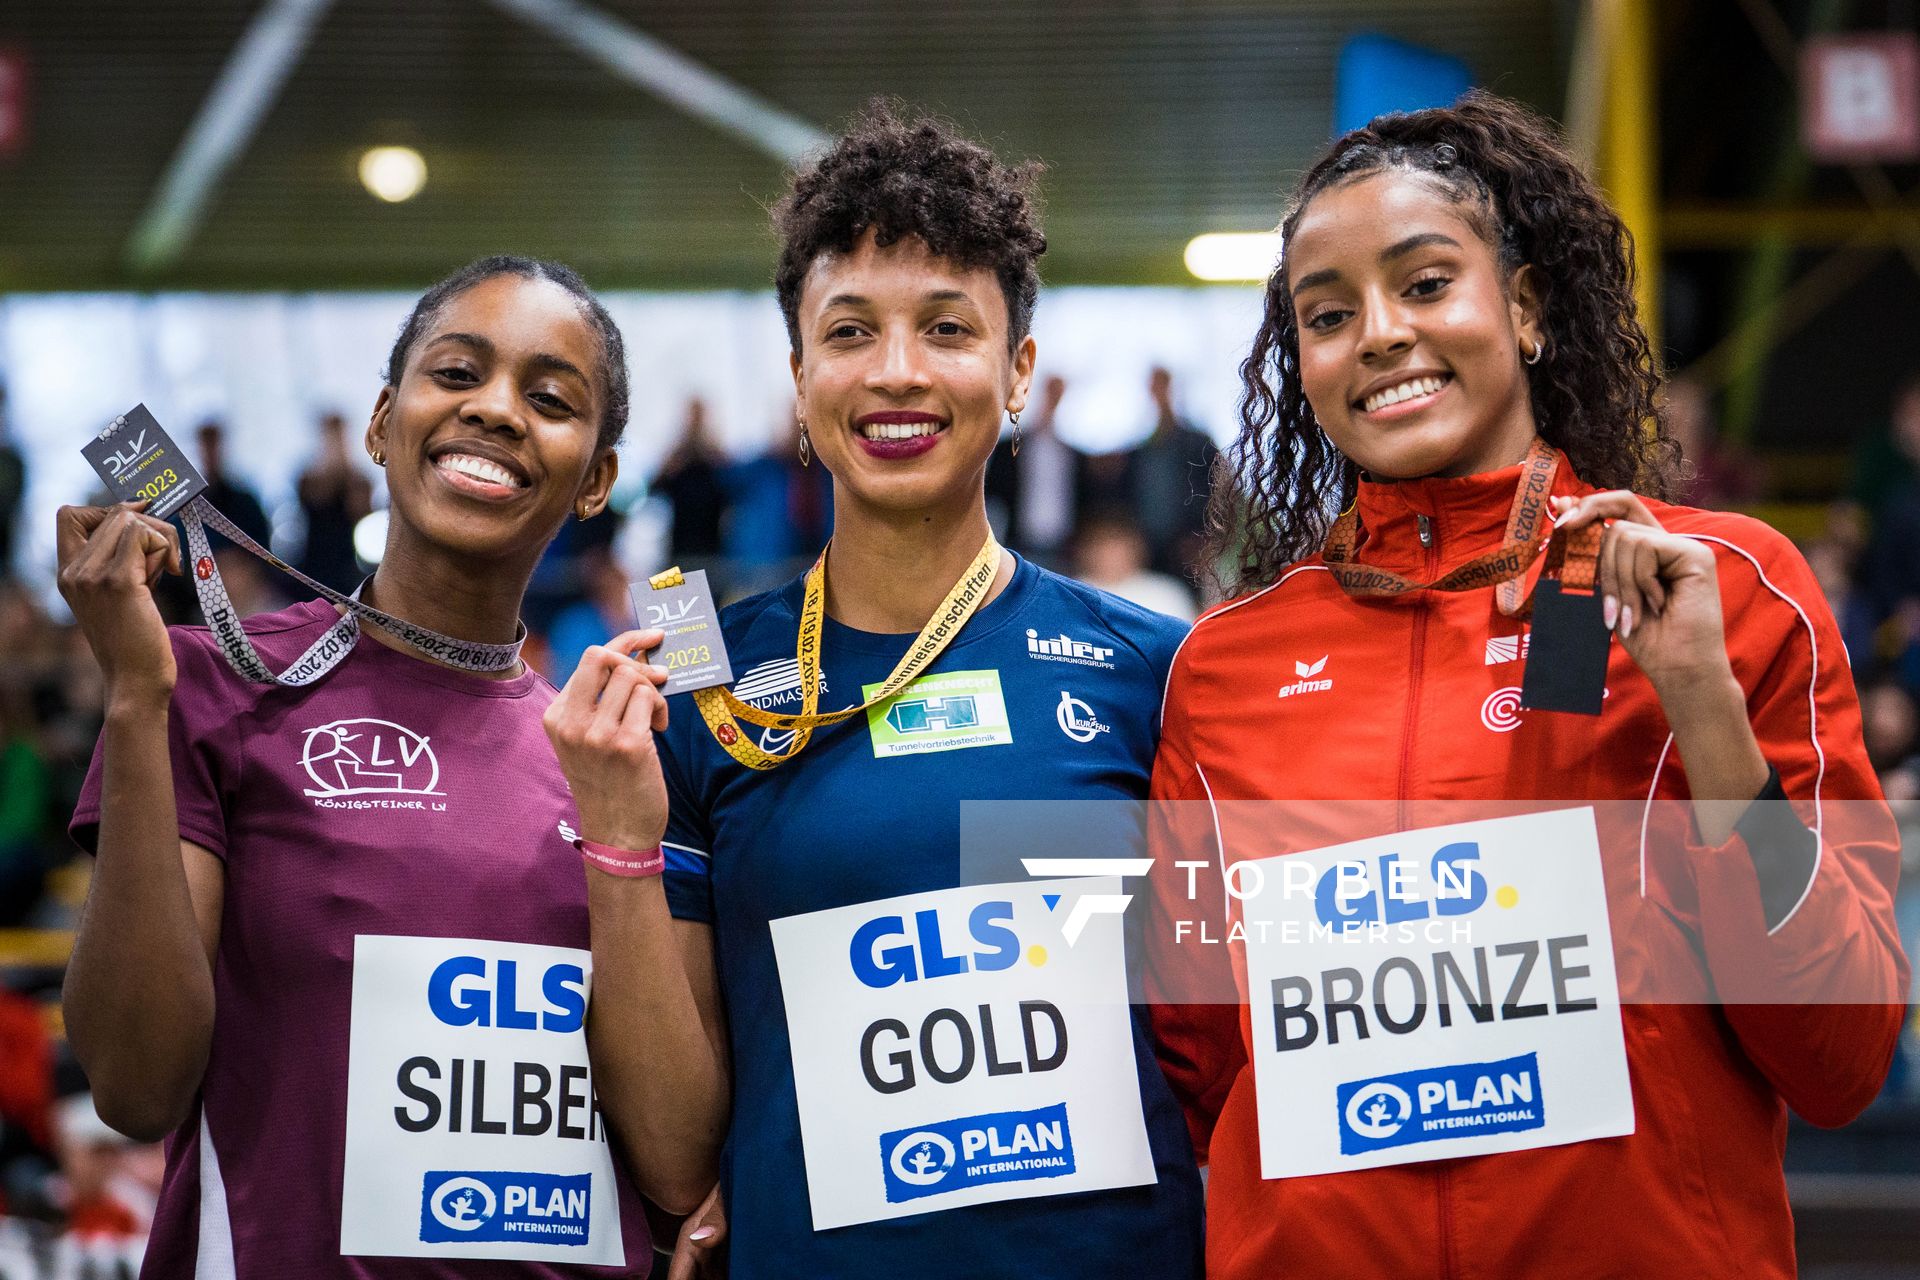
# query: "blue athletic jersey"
{"points": [[1050, 693]]}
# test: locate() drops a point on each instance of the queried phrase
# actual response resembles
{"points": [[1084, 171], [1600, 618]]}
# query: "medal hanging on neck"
{"points": [[1567, 651], [140, 462], [723, 711]]}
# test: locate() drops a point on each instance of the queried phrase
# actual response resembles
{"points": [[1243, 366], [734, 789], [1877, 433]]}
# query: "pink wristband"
{"points": [[623, 862]]}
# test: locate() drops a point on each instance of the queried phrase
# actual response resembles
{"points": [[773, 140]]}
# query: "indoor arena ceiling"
{"points": [[1158, 119]]}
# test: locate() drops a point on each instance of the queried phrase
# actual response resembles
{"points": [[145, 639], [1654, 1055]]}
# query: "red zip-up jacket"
{"points": [[1414, 706]]}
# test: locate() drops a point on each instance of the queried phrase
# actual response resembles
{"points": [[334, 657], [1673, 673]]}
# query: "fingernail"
{"points": [[1610, 611], [1626, 623], [703, 1233]]}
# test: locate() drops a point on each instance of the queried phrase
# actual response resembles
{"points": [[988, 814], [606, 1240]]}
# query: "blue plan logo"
{"points": [[545, 1208], [1007, 1146], [1440, 1102]]}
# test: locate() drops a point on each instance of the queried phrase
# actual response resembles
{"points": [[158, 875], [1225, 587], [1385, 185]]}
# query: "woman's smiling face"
{"points": [[1411, 331], [905, 372], [491, 436]]}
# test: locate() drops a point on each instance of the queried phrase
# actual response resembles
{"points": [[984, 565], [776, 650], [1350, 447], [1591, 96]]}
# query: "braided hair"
{"points": [[1594, 392]]}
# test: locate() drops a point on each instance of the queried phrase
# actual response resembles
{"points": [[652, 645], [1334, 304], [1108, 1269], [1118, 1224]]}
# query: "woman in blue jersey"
{"points": [[913, 1068]]}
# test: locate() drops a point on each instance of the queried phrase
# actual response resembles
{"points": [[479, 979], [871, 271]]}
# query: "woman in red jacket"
{"points": [[1560, 1036]]}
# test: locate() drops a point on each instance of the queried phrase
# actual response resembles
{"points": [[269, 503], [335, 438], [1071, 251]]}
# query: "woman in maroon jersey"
{"points": [[336, 944]]}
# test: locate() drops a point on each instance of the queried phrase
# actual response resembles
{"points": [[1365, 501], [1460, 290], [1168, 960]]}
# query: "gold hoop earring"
{"points": [[1014, 418], [582, 510], [806, 447], [1539, 349], [379, 458]]}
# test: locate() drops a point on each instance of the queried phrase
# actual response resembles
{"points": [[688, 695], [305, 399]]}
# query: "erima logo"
{"points": [[1506, 648], [1064, 648], [1307, 671]]}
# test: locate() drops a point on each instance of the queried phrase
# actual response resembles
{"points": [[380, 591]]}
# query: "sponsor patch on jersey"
{"points": [[946, 711], [1440, 1102], [1010, 1146]]}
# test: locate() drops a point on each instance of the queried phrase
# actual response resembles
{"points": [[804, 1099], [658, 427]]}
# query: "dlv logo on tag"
{"points": [[661, 614], [119, 460]]}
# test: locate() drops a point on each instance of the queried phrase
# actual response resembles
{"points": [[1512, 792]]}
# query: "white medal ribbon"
{"points": [[329, 650]]}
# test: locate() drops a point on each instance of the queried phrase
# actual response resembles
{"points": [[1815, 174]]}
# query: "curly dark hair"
{"points": [[910, 175], [613, 349], [1595, 393]]}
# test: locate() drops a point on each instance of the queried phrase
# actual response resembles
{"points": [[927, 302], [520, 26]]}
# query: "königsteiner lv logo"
{"points": [[369, 757]]}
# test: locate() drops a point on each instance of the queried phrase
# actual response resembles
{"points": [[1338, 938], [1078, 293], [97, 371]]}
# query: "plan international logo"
{"points": [[1007, 1146]]}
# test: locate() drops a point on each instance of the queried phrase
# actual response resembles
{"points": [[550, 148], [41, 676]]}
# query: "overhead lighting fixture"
{"points": [[393, 174], [1223, 256]]}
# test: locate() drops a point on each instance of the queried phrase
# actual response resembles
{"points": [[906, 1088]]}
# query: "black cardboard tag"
{"points": [[137, 460], [694, 654], [1567, 655]]}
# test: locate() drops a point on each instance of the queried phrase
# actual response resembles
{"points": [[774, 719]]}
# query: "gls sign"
{"points": [[1350, 895]]}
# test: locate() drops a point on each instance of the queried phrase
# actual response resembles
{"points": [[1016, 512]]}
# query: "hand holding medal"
{"points": [[1660, 591]]}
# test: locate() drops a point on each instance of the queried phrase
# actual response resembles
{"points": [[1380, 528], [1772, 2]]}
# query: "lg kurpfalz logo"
{"points": [[371, 764], [461, 1206], [1438, 1103], [1006, 1146]]}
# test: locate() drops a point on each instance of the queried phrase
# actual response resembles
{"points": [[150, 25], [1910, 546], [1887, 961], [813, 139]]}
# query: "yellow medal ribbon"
{"points": [[722, 710]]}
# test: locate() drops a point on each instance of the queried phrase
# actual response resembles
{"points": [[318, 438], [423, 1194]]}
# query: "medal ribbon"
{"points": [[722, 710], [1573, 558], [329, 650]]}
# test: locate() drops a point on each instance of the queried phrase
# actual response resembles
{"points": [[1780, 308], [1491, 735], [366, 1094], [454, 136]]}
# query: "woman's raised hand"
{"points": [[602, 728], [109, 559], [1661, 591]]}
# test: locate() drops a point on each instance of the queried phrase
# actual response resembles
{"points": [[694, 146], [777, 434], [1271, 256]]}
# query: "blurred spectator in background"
{"points": [[1890, 571], [13, 487], [1034, 496], [692, 479], [1170, 477], [334, 497], [781, 510], [1889, 460], [231, 497], [1110, 553], [1890, 725], [109, 1184], [1832, 563], [605, 612], [1724, 475]]}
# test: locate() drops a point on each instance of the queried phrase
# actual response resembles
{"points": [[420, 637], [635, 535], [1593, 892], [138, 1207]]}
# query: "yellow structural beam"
{"points": [[1727, 226], [1629, 142]]}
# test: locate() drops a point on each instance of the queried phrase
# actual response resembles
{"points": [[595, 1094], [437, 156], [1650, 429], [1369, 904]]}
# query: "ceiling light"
{"points": [[1234, 255], [393, 173]]}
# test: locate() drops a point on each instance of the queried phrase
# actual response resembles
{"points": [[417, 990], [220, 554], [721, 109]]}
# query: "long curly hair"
{"points": [[1595, 392], [904, 175]]}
